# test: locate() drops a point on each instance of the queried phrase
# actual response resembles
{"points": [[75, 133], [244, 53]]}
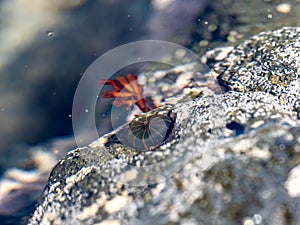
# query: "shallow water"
{"points": [[45, 49]]}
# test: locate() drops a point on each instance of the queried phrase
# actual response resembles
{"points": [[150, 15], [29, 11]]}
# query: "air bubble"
{"points": [[50, 33]]}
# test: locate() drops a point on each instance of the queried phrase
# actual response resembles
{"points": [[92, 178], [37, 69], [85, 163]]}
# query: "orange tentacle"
{"points": [[127, 92]]}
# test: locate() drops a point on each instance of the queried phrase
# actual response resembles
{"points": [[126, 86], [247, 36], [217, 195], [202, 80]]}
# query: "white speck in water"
{"points": [[128, 15], [139, 59], [50, 33], [292, 184], [248, 221], [2, 109], [270, 16], [257, 219], [205, 22], [86, 110], [284, 8], [70, 115]]}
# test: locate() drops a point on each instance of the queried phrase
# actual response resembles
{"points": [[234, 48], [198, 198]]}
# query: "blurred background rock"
{"points": [[45, 48]]}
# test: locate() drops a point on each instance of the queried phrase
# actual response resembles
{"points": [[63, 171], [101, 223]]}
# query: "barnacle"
{"points": [[148, 130], [127, 92]]}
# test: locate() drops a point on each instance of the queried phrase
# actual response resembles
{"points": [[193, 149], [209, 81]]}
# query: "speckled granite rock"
{"points": [[268, 62], [230, 158]]}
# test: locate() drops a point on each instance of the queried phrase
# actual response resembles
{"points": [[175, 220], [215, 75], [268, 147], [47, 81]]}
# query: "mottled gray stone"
{"points": [[269, 61], [226, 162]]}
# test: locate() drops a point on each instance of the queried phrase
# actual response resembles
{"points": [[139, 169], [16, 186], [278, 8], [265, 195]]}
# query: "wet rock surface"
{"points": [[268, 62], [231, 157]]}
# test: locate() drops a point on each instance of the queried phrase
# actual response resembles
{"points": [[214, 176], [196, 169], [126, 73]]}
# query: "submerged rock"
{"points": [[226, 160], [269, 62]]}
